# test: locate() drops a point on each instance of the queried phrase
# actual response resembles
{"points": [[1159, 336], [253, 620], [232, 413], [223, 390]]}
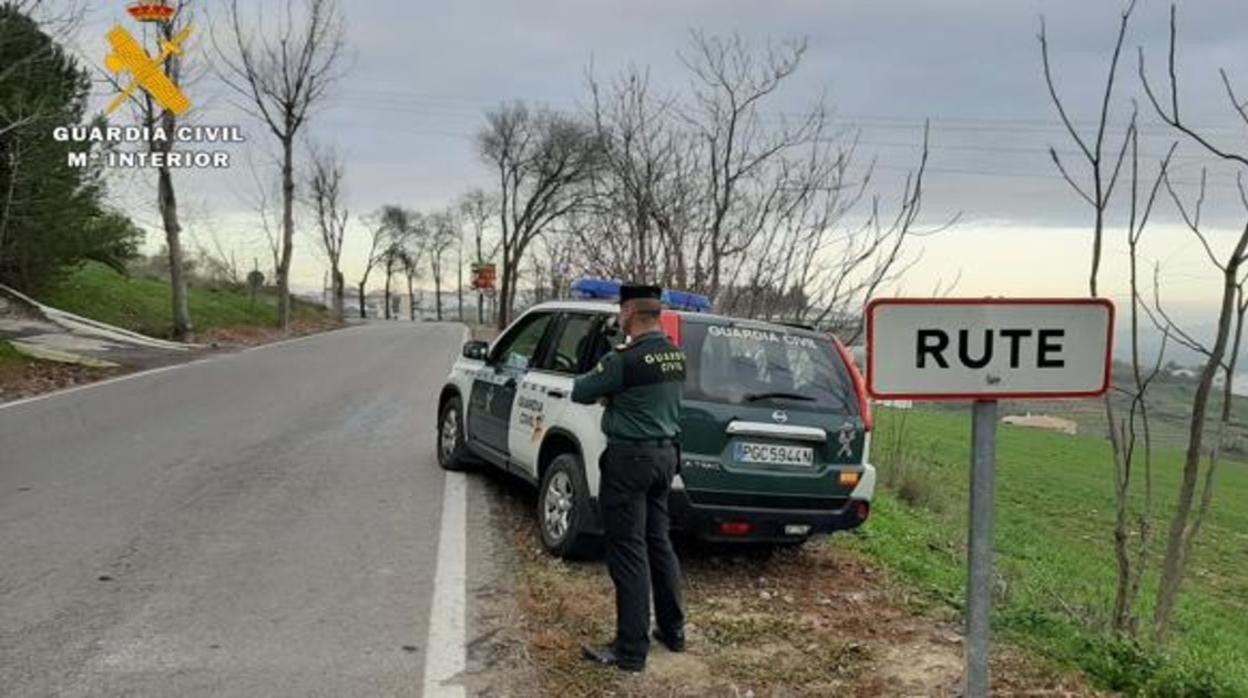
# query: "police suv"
{"points": [[774, 429]]}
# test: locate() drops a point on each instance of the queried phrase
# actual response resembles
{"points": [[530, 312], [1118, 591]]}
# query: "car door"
{"points": [[494, 388], [546, 390]]}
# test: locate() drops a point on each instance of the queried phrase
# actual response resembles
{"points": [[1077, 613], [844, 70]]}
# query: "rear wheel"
{"points": [[452, 451], [563, 506]]}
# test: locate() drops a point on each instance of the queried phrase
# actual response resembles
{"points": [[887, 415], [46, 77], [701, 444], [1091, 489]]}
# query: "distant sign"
{"points": [[984, 349], [483, 277]]}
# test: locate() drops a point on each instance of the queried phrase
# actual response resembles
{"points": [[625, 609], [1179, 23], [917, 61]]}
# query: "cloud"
{"points": [[424, 72]]}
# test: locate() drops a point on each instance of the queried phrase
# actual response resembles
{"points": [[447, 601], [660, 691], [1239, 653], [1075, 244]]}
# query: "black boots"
{"points": [[605, 654]]}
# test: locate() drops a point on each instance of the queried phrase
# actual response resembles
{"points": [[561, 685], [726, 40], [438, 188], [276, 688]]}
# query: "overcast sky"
{"points": [[422, 74]]}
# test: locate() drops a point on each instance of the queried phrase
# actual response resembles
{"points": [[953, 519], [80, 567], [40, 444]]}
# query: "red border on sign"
{"points": [[1109, 344]]}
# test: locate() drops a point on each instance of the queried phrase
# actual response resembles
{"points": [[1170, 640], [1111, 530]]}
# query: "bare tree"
{"points": [[395, 229], [479, 208], [325, 184], [1103, 171], [634, 128], [158, 119], [414, 244], [1186, 522], [380, 232], [443, 228], [713, 195], [542, 160], [263, 197], [283, 73], [218, 263]]}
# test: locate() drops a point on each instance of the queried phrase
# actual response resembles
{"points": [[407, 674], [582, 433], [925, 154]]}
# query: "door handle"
{"points": [[556, 394]]}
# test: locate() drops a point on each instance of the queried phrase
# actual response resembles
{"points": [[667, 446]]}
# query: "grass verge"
{"points": [[142, 304], [817, 621], [1054, 561], [10, 358]]}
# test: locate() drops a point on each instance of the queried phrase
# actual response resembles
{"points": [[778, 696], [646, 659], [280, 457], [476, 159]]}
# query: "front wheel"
{"points": [[562, 508], [452, 451]]}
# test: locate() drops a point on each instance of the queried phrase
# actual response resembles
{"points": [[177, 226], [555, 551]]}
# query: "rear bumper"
{"points": [[763, 525]]}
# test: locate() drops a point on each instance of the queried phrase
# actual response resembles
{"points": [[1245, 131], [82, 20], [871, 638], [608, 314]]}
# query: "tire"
{"points": [[563, 508], [452, 449]]}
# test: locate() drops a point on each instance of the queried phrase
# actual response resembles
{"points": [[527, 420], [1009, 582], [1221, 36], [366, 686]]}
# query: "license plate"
{"points": [[774, 454]]}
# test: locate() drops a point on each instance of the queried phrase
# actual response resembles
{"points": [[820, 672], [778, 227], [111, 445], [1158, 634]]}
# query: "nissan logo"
{"points": [[780, 416]]}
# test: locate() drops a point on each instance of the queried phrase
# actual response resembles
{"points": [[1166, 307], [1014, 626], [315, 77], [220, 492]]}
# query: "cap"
{"points": [[630, 292]]}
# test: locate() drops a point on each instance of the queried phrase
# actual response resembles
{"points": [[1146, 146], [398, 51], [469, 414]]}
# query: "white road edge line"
{"points": [[446, 646], [171, 367]]}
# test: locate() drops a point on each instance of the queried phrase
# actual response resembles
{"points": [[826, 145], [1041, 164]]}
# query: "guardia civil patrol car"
{"points": [[775, 426]]}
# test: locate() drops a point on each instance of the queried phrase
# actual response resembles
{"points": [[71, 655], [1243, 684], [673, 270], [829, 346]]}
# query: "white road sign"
{"points": [[985, 349]]}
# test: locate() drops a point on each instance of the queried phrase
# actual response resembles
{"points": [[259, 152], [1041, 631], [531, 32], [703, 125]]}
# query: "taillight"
{"points": [[670, 322], [862, 509], [736, 528], [860, 386]]}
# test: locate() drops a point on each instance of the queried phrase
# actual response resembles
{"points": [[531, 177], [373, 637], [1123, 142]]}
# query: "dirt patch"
{"points": [[819, 620], [252, 335], [31, 378]]}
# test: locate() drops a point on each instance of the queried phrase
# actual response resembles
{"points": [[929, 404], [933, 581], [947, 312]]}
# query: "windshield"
{"points": [[766, 365]]}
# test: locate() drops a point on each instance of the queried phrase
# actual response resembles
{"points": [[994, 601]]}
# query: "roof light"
{"points": [[607, 289]]}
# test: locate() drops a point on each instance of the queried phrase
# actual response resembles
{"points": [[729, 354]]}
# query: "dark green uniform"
{"points": [[642, 382]]}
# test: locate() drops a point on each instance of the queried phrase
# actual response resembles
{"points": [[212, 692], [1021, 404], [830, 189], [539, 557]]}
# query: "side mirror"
{"points": [[612, 332], [476, 349]]}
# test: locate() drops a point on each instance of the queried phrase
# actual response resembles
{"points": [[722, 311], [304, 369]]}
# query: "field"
{"points": [[142, 304], [1053, 546]]}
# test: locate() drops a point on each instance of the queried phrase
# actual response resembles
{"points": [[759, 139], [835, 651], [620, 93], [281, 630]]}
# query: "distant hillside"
{"points": [[1169, 402]]}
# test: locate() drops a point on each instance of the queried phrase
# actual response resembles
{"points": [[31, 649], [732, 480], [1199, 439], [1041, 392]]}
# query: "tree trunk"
{"points": [[14, 159], [1179, 538], [167, 202], [411, 299], [288, 233], [363, 309], [503, 294], [389, 275], [340, 289], [480, 295], [437, 294], [460, 276]]}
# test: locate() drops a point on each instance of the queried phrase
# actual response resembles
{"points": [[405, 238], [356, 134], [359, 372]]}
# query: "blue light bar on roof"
{"points": [[606, 289]]}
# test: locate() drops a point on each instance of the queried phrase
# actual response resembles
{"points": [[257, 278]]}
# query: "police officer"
{"points": [[640, 384]]}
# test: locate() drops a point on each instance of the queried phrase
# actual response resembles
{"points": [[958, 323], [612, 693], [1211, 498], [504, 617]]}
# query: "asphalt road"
{"points": [[259, 524]]}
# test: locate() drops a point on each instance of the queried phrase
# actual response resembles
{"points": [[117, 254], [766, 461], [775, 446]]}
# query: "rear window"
{"points": [[766, 365]]}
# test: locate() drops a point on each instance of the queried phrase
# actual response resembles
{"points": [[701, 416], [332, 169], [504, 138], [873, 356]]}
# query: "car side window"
{"points": [[572, 347], [601, 340], [516, 350]]}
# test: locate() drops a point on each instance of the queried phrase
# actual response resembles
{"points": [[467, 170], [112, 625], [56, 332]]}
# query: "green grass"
{"points": [[1054, 557], [143, 304], [9, 357]]}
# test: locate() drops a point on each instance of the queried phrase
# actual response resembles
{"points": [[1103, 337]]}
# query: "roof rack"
{"points": [[609, 289]]}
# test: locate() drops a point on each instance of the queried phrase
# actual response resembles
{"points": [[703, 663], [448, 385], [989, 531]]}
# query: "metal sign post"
{"points": [[979, 545], [983, 350]]}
